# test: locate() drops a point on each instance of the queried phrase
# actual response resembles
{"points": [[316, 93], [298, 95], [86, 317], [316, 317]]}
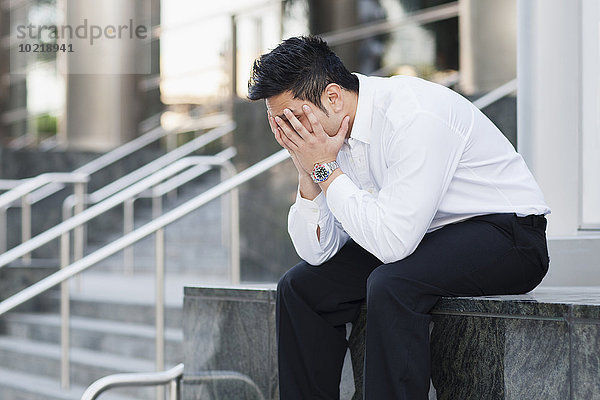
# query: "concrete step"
{"points": [[23, 386], [113, 337], [119, 310], [43, 359]]}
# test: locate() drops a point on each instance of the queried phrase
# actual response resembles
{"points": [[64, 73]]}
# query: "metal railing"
{"points": [[155, 226], [130, 148], [7, 184], [171, 377], [229, 219], [77, 222], [24, 192], [135, 176], [99, 164], [496, 94]]}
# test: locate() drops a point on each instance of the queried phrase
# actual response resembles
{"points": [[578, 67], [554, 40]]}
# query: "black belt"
{"points": [[537, 221]]}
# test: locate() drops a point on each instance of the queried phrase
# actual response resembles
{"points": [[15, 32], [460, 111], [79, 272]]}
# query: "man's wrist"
{"points": [[325, 184]]}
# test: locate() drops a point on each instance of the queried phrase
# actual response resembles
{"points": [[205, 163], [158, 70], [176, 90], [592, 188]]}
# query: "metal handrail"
{"points": [[140, 233], [94, 211], [222, 161], [155, 226], [167, 159], [125, 150], [496, 94], [135, 176], [77, 221], [171, 377], [29, 185], [7, 184], [38, 193], [25, 189], [105, 160]]}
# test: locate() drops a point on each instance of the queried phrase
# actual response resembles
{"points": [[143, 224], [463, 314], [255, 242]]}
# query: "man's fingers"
{"points": [[271, 123], [297, 125], [341, 133], [279, 139], [288, 132], [277, 133], [312, 118], [287, 143]]}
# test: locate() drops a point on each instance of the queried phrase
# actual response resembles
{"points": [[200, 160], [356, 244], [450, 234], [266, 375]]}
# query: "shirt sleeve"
{"points": [[422, 158], [303, 219]]}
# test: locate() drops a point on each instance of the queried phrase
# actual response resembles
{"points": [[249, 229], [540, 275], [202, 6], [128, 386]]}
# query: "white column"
{"points": [[103, 103], [548, 108], [559, 125]]}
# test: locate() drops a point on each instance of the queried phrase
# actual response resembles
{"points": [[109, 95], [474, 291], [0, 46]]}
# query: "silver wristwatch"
{"points": [[321, 172]]}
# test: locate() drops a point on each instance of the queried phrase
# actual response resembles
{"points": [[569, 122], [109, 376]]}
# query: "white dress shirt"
{"points": [[419, 157]]}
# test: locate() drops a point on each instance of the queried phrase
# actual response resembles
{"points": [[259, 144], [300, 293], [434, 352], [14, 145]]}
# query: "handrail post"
{"points": [[3, 228], [174, 389], [64, 314], [156, 206], [233, 222], [128, 225], [235, 237], [225, 215], [26, 224], [160, 306], [79, 232]]}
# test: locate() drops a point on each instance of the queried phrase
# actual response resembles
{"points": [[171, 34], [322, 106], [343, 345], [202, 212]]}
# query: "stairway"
{"points": [[108, 336], [112, 314]]}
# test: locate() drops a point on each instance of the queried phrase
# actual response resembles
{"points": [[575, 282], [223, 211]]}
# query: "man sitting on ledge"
{"points": [[407, 192]]}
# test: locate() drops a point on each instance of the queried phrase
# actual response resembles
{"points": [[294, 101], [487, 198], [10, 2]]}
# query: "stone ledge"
{"points": [[542, 345]]}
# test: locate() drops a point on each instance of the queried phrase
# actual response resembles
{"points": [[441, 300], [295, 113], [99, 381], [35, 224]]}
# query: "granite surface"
{"points": [[542, 345], [230, 330]]}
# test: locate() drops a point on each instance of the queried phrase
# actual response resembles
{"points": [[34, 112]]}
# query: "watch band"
{"points": [[322, 171]]}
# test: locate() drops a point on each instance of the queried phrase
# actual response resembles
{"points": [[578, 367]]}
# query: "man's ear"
{"points": [[332, 96]]}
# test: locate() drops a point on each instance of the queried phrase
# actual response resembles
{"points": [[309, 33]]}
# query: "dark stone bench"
{"points": [[543, 345]]}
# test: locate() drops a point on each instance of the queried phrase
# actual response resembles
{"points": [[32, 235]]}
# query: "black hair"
{"points": [[304, 65]]}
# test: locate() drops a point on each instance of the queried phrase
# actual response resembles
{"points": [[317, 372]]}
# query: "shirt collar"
{"points": [[361, 128]]}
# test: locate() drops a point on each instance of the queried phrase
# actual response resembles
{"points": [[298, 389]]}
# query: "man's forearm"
{"points": [[308, 189]]}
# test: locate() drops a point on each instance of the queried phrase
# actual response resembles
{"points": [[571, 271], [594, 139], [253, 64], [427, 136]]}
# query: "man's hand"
{"points": [[313, 147], [301, 172], [308, 189]]}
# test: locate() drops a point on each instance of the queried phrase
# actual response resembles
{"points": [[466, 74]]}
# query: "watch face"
{"points": [[321, 173]]}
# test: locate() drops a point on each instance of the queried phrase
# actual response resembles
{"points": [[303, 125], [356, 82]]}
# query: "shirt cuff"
{"points": [[338, 193], [311, 210]]}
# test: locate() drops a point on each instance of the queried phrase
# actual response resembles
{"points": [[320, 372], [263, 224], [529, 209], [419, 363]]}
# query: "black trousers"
{"points": [[485, 255]]}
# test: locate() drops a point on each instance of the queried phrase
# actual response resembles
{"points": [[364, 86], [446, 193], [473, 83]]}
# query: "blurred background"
{"points": [[52, 119]]}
